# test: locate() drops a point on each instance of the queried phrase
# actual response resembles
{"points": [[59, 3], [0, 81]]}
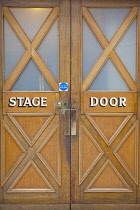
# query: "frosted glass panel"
{"points": [[91, 49], [48, 49], [109, 79], [13, 49], [109, 19], [126, 50], [31, 80], [31, 19]]}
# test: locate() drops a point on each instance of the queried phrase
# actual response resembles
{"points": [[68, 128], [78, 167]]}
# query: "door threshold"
{"points": [[34, 206], [105, 206]]}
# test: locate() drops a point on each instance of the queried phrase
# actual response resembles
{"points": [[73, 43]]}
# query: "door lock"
{"points": [[61, 104]]}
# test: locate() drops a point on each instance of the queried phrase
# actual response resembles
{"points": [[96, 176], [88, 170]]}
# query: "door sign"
{"points": [[29, 102], [63, 86], [109, 101], [121, 101]]}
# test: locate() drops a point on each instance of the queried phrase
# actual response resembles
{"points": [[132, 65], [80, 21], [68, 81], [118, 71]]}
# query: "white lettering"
{"points": [[26, 101], [12, 101], [37, 101], [92, 100], [42, 101], [20, 101], [103, 101], [122, 101], [113, 101]]}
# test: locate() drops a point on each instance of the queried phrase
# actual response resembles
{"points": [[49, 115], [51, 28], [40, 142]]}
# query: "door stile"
{"points": [[1, 76], [138, 88], [64, 76], [76, 75], [79, 187]]}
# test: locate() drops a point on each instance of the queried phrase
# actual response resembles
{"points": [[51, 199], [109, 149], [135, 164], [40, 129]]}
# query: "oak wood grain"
{"points": [[109, 3], [30, 3]]}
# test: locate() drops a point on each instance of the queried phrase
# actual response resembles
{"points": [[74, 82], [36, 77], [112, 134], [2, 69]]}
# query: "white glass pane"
{"points": [[91, 49], [31, 19], [13, 49], [109, 79], [126, 49], [109, 19], [31, 80], [48, 49]]}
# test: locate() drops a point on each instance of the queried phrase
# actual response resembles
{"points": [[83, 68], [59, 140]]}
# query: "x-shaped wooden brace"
{"points": [[109, 49], [31, 49], [111, 152], [34, 150]]}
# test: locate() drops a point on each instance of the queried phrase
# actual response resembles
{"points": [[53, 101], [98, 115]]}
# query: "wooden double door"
{"points": [[78, 146]]}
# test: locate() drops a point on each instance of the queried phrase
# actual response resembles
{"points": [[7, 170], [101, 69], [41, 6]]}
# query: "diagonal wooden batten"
{"points": [[45, 28], [31, 53], [44, 70], [124, 27], [123, 71], [16, 27], [95, 28], [108, 48], [17, 71], [37, 41]]}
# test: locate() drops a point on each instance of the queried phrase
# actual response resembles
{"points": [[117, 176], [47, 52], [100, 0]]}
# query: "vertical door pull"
{"points": [[73, 121], [69, 118]]}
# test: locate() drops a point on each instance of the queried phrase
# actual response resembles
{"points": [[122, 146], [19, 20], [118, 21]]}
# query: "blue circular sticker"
{"points": [[63, 86]]}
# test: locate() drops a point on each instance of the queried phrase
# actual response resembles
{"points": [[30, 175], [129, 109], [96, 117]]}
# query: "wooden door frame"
{"points": [[76, 74], [63, 200], [1, 85], [76, 66]]}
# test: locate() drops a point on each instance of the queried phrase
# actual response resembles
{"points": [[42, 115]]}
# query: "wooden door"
{"points": [[105, 75], [35, 153], [36, 57]]}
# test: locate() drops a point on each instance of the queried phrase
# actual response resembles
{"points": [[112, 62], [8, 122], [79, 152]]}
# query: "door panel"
{"points": [[95, 50], [107, 141], [34, 151]]}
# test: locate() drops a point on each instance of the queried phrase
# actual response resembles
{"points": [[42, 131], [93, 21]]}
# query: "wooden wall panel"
{"points": [[10, 3], [30, 3], [110, 3]]}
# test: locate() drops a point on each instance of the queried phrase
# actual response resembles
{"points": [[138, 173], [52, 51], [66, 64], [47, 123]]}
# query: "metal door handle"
{"points": [[70, 122], [73, 121], [69, 117]]}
